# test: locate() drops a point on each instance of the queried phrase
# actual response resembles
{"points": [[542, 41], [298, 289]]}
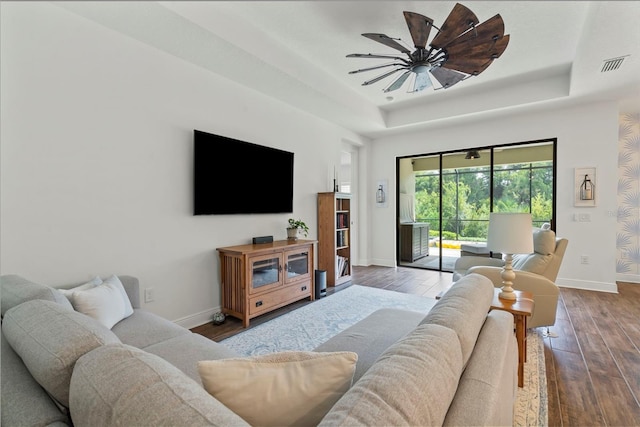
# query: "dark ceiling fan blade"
{"points": [[421, 82], [491, 29], [397, 83], [391, 64], [491, 49], [387, 41], [419, 27], [378, 56], [460, 19], [447, 78], [380, 77], [469, 66]]}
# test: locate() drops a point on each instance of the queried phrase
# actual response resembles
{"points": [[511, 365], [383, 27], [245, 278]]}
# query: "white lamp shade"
{"points": [[510, 233]]}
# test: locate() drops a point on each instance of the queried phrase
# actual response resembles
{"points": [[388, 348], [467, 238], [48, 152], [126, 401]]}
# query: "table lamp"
{"points": [[509, 233]]}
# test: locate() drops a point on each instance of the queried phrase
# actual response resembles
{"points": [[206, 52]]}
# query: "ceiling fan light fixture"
{"points": [[462, 45], [472, 154]]}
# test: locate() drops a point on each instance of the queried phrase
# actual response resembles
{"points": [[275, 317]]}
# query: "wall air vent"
{"points": [[612, 64]]}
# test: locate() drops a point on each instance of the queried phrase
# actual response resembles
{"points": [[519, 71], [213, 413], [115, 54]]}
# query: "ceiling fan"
{"points": [[461, 48]]}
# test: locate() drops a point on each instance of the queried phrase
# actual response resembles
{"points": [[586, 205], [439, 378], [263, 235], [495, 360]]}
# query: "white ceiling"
{"points": [[295, 51]]}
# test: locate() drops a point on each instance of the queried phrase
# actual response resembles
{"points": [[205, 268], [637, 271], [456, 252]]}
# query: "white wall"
{"points": [[587, 137], [96, 160]]}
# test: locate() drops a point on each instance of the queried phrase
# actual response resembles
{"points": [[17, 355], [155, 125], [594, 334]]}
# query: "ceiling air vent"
{"points": [[612, 64]]}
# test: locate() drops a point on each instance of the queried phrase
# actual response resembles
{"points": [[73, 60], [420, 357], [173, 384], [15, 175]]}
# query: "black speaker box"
{"points": [[263, 239]]}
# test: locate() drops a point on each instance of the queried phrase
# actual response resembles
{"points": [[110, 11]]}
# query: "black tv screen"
{"points": [[238, 177]]}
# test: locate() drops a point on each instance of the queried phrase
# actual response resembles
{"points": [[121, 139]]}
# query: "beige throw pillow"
{"points": [[90, 284], [281, 389]]}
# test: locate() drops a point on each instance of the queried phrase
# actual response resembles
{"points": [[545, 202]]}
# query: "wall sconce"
{"points": [[587, 189], [382, 186], [472, 154], [380, 196]]}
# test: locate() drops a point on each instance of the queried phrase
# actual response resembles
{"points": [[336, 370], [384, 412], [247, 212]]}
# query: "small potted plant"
{"points": [[296, 226]]}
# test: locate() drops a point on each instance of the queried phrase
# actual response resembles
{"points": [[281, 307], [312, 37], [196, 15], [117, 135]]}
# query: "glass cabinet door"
{"points": [[265, 272], [297, 265]]}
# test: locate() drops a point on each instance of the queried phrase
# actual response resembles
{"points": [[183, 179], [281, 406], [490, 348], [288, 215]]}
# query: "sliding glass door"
{"points": [[451, 195]]}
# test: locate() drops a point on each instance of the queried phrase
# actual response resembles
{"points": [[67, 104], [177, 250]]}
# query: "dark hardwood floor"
{"points": [[593, 366]]}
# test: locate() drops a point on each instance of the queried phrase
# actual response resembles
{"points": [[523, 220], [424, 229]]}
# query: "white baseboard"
{"points": [[384, 262], [197, 319], [587, 285], [632, 278]]}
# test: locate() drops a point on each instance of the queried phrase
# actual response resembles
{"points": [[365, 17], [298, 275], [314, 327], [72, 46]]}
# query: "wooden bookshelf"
{"points": [[334, 236]]}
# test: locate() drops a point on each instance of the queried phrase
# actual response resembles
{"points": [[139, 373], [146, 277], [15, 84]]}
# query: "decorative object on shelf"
{"points": [[509, 233], [380, 196], [585, 187], [472, 154], [219, 318], [461, 48], [296, 226]]}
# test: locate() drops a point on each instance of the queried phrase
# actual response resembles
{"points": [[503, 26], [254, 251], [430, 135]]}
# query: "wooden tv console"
{"points": [[258, 278]]}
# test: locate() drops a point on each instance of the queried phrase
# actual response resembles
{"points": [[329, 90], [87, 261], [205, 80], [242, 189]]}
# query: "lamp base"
{"points": [[507, 294], [507, 275]]}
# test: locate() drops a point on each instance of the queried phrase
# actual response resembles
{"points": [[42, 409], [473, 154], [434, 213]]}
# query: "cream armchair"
{"points": [[535, 273]]}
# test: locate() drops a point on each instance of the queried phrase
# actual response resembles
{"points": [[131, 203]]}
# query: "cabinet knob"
{"points": [[304, 288], [258, 303]]}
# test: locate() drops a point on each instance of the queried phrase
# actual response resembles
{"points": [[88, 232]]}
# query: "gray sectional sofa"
{"points": [[455, 366]]}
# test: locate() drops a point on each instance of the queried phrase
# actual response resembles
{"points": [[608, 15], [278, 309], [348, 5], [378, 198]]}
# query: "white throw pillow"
{"points": [[108, 303], [90, 284], [113, 280], [289, 388]]}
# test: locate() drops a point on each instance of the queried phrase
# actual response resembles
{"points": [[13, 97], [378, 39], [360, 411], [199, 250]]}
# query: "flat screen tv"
{"points": [[238, 177]]}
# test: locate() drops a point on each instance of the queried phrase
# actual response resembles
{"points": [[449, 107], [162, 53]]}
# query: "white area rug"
{"points": [[531, 403], [311, 325]]}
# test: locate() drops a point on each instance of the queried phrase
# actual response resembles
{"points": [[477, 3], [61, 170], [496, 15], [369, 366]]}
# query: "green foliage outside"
{"points": [[465, 198]]}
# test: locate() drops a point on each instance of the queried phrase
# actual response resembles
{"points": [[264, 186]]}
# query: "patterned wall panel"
{"points": [[628, 230]]}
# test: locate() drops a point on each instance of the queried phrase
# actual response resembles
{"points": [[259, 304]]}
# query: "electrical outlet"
{"points": [[149, 295], [584, 259]]}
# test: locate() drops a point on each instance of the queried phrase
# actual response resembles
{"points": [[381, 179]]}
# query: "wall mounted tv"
{"points": [[238, 177]]}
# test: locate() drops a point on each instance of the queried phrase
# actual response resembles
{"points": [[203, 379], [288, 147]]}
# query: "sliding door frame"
{"points": [[491, 149]]}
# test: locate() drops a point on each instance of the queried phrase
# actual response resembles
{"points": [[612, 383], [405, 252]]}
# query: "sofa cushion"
{"points": [[533, 263], [280, 389], [371, 336], [108, 302], [488, 387], [144, 328], [464, 308], [122, 385], [544, 246], [186, 350], [411, 384], [50, 338], [24, 401], [544, 241], [17, 289]]}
